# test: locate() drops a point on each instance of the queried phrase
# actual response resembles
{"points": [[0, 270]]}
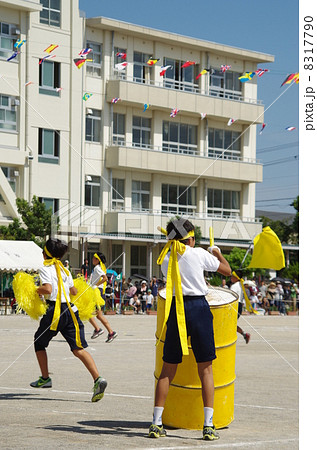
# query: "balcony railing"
{"points": [[186, 86], [187, 150]]}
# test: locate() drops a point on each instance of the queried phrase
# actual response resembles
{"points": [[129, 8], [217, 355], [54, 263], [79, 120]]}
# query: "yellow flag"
{"points": [[267, 252]]}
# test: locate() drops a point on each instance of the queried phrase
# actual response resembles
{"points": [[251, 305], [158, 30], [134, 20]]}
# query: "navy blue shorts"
{"points": [[199, 324], [240, 308], [66, 326]]}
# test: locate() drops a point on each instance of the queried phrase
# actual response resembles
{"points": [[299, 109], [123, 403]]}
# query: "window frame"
{"points": [[95, 120], [223, 90], [231, 151], [140, 267], [141, 65], [178, 79], [8, 110], [50, 10], [178, 146], [118, 138], [11, 36], [93, 68], [93, 184], [178, 208], [117, 202], [56, 77], [140, 192], [47, 157], [55, 207], [222, 211], [144, 130]]}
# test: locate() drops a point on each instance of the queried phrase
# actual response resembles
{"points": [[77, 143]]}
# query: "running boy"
{"points": [[97, 279], [184, 268], [61, 315]]}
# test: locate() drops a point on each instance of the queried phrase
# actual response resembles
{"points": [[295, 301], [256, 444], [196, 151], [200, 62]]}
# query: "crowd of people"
{"points": [[279, 295]]}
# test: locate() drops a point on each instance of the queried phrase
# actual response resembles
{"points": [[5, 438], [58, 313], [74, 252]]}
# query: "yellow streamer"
{"points": [[104, 269], [57, 309], [247, 301], [173, 279], [25, 293], [211, 236]]}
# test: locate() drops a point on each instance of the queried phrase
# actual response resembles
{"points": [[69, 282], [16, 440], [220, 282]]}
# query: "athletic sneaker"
{"points": [[99, 389], [96, 333], [247, 337], [42, 383], [156, 431], [210, 434], [111, 336]]}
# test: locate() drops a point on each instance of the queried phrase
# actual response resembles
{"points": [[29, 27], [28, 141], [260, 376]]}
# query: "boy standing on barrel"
{"points": [[187, 313]]}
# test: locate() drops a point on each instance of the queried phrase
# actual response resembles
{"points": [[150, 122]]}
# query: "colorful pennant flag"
{"points": [[121, 55], [152, 61], [28, 83], [292, 77], [224, 67], [87, 95], [203, 116], [121, 66], [115, 100], [261, 72], [79, 62], [85, 51], [46, 57], [51, 48], [14, 55], [58, 89], [19, 43], [187, 64], [290, 128], [203, 72], [263, 126], [174, 112], [246, 77], [231, 121], [164, 69], [267, 251], [146, 106]]}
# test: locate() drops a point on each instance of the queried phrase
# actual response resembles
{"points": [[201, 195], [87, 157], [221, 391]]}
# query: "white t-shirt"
{"points": [[48, 275], [191, 267], [95, 276], [237, 288], [149, 299]]}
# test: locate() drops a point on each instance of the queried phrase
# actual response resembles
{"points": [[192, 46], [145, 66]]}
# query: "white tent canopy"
{"points": [[20, 255]]}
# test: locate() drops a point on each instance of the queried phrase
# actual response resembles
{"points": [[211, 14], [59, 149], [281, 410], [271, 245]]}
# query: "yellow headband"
{"points": [[47, 252]]}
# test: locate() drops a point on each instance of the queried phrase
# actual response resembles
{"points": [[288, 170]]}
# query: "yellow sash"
{"points": [[104, 269], [247, 301], [173, 279], [57, 309]]}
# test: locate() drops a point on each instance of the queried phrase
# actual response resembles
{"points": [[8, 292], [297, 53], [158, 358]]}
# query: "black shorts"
{"points": [[199, 324], [240, 307], [66, 326]]}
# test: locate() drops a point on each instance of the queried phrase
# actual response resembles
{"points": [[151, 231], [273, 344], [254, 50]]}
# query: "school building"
{"points": [[98, 144]]}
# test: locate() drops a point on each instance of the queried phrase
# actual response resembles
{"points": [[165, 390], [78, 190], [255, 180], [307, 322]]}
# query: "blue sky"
{"points": [[269, 27]]}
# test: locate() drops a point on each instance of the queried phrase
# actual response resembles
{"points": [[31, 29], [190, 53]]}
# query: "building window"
{"points": [[49, 143], [93, 68], [225, 84], [141, 70], [50, 203], [51, 13], [138, 260], [7, 39], [117, 194], [178, 77], [92, 191], [122, 74], [8, 116], [118, 134], [93, 126], [179, 138], [224, 144], [178, 199], [117, 258], [222, 203], [141, 132], [11, 174], [140, 195], [49, 78]]}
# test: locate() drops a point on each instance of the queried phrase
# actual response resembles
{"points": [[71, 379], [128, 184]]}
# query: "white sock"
{"points": [[208, 413], [157, 415]]}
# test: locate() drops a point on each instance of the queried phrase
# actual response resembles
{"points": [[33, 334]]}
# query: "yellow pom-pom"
{"points": [[99, 301], [28, 300], [84, 299]]}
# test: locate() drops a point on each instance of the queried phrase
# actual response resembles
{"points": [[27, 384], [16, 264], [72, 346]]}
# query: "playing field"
{"points": [[266, 389]]}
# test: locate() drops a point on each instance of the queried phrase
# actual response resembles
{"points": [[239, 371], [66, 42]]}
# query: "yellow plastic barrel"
{"points": [[184, 405]]}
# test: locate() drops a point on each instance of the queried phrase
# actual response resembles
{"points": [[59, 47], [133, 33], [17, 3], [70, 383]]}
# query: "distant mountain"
{"points": [[273, 215]]}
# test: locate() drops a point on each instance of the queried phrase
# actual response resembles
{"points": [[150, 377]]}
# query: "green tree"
{"points": [[34, 225]]}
